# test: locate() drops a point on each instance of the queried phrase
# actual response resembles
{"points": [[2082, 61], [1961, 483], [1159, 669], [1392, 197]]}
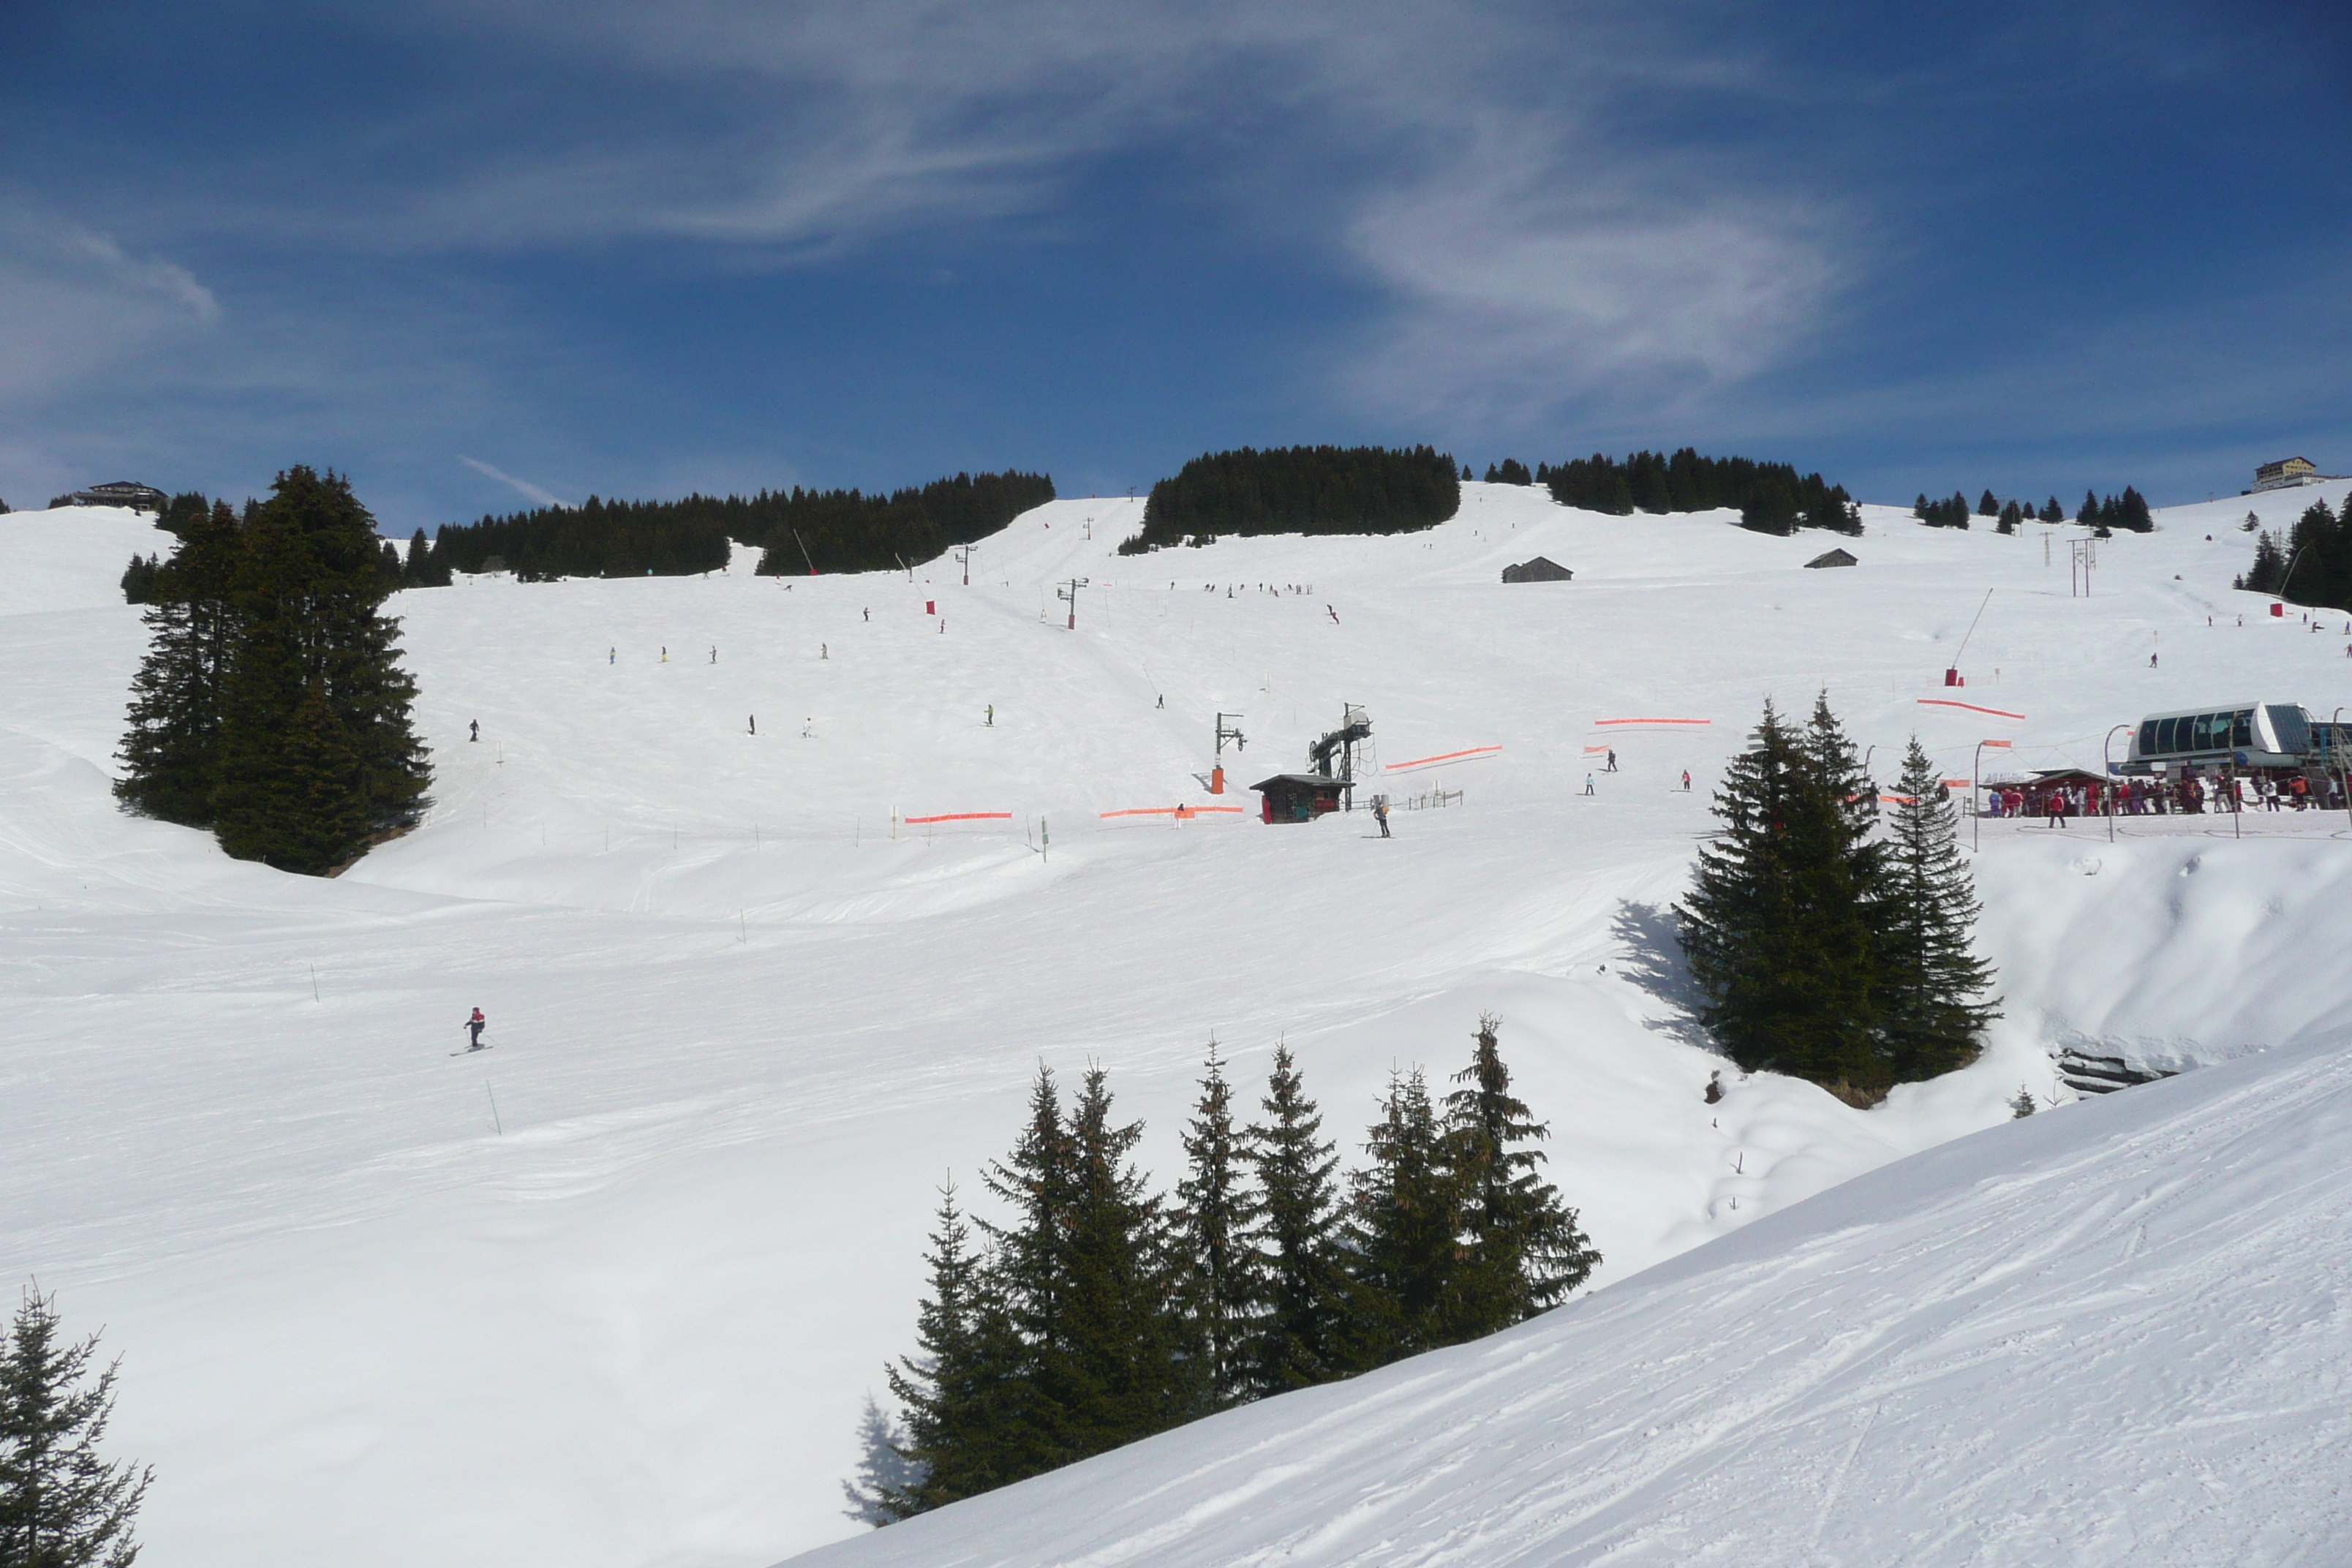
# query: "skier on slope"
{"points": [[475, 1025], [1612, 761], [1381, 813], [1588, 783]]}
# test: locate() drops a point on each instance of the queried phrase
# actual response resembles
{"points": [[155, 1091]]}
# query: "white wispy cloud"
{"points": [[521, 487], [76, 306], [1459, 156]]}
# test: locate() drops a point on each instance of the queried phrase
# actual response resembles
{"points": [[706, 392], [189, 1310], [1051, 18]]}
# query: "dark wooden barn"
{"points": [[1537, 571]]}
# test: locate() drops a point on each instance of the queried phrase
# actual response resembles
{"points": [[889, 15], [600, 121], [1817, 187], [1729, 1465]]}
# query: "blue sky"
{"points": [[475, 253]]}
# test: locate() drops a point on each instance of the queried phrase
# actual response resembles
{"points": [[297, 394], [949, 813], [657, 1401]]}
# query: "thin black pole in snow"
{"points": [[314, 983], [1972, 628], [495, 1122]]}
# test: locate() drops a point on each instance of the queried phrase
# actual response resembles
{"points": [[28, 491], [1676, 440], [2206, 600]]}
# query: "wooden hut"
{"points": [[1537, 571], [1831, 558], [1298, 797]]}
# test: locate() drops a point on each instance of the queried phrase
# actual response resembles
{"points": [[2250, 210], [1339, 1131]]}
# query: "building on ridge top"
{"points": [[2286, 473], [120, 492]]}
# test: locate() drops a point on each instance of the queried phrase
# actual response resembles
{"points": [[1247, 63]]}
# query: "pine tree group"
{"points": [[1096, 1313], [1953, 512], [61, 1504], [2312, 564], [1771, 498], [1826, 953], [271, 707], [1299, 490]]}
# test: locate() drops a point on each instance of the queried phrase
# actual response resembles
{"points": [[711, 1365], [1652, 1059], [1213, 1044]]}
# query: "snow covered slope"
{"points": [[2113, 1335], [611, 1294]]}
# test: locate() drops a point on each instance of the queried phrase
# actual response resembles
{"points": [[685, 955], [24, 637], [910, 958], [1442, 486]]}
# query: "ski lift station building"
{"points": [[1298, 797]]}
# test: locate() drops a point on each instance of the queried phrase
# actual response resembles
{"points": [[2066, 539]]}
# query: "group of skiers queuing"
{"points": [[2189, 796]]}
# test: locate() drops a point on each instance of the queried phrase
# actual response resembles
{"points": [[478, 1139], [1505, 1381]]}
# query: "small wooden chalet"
{"points": [[1831, 558], [1298, 797], [1537, 571]]}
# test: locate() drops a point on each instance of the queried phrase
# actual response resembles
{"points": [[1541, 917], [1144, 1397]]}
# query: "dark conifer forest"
{"points": [[1299, 490], [271, 706], [1095, 1310], [1771, 498], [2311, 565], [795, 531]]}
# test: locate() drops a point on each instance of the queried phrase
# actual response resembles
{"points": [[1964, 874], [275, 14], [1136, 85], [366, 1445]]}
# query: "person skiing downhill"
{"points": [[475, 1025], [1588, 783], [1686, 781], [1612, 761]]}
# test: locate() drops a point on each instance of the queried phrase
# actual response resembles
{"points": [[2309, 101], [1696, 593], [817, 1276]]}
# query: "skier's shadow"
{"points": [[1649, 954]]}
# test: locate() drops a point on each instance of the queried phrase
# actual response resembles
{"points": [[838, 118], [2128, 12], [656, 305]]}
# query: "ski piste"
{"points": [[370, 1258]]}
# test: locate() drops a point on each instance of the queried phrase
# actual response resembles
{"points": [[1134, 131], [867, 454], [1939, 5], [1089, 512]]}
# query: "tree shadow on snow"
{"points": [[1649, 954]]}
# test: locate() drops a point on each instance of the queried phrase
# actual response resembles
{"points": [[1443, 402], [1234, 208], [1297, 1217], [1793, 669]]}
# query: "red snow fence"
{"points": [[1971, 707], [1466, 755], [959, 817], [1178, 812]]}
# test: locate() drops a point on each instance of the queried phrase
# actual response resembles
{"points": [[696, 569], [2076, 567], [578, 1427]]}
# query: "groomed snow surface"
{"points": [[2115, 1335], [612, 1293]]}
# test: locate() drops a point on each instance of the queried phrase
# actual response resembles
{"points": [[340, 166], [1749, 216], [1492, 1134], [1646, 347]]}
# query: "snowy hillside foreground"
{"points": [[611, 1293], [2114, 1336]]}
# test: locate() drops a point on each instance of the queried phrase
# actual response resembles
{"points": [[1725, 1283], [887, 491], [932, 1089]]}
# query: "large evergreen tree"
{"points": [[317, 755], [1306, 1289], [1524, 1250], [170, 752], [61, 1504], [1775, 928], [1403, 1220], [1219, 1209], [1029, 1275], [1123, 1374], [1930, 982], [957, 1390]]}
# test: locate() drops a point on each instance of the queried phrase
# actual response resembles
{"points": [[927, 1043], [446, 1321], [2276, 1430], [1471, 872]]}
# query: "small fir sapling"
{"points": [[2022, 1106]]}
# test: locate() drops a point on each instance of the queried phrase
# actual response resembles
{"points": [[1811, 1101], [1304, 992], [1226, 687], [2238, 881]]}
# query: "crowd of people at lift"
{"points": [[2187, 795]]}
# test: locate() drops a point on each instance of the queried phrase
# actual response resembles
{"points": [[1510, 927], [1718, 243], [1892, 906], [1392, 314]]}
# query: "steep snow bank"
{"points": [[2114, 1336]]}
